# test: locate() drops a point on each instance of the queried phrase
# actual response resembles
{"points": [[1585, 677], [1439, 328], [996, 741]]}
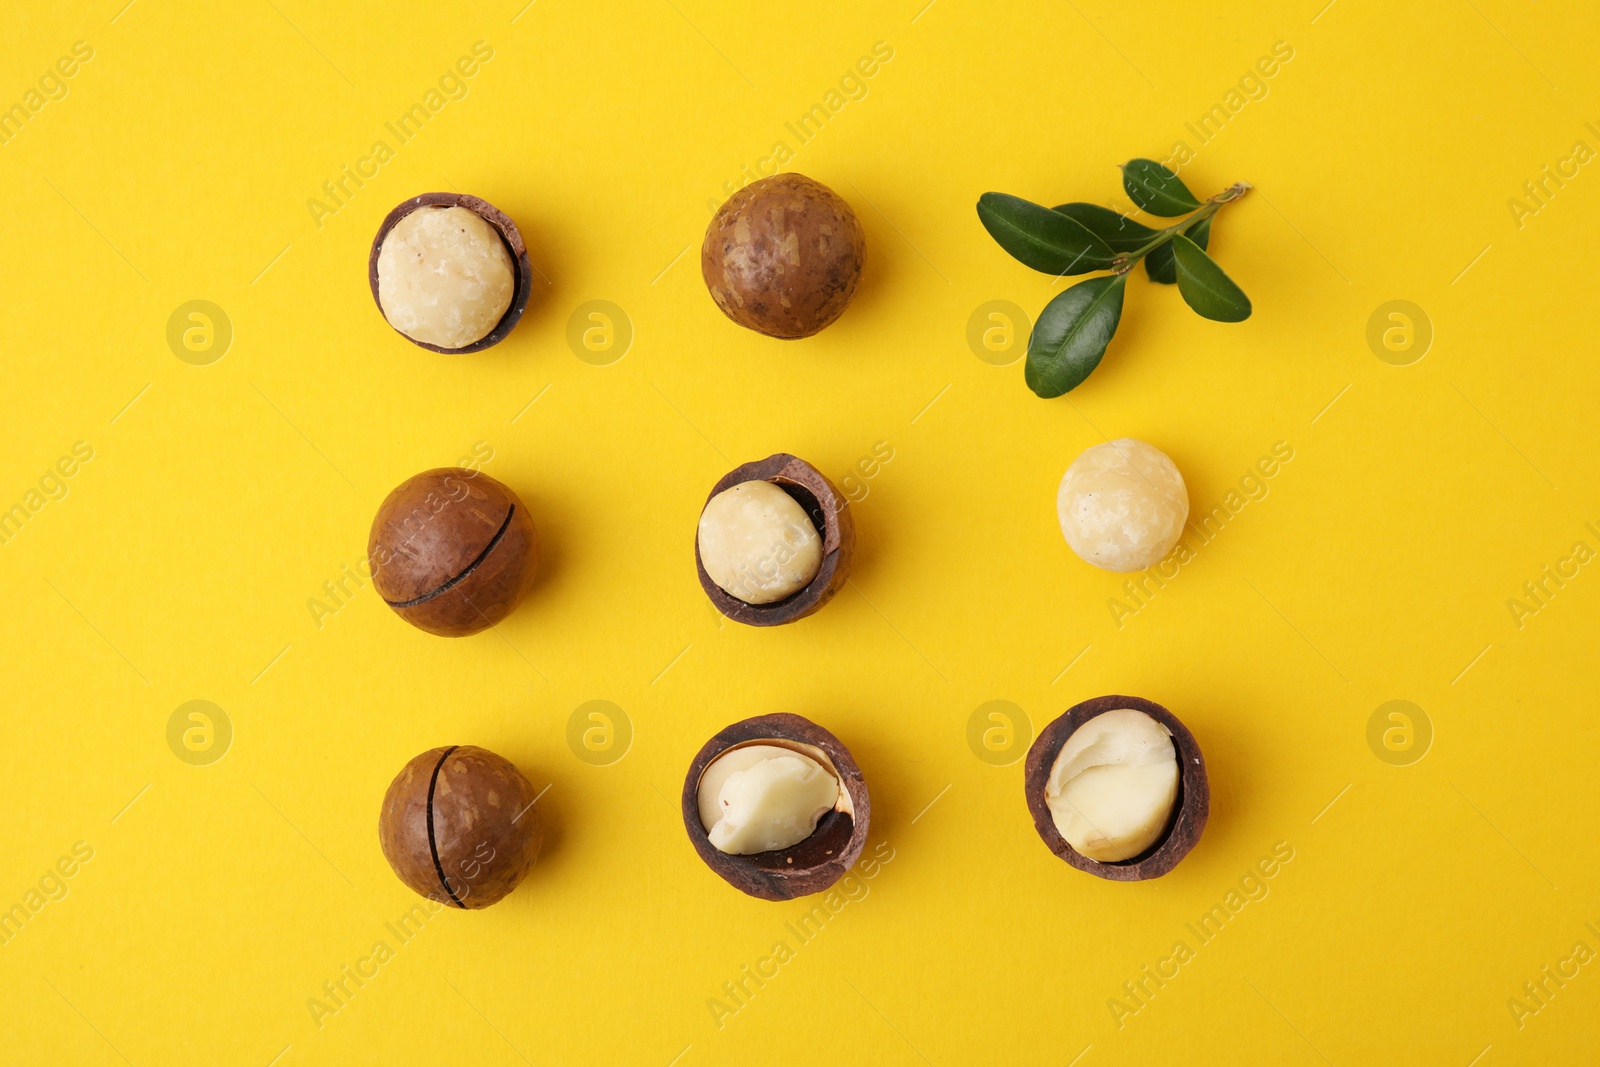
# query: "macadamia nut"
{"points": [[444, 276], [1113, 786], [759, 797], [1122, 505], [783, 256], [452, 551], [460, 825], [758, 544]]}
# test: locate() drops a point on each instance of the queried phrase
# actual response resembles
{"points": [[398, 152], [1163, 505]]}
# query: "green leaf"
{"points": [[1156, 189], [1203, 285], [1159, 264], [1045, 240], [1072, 333], [1118, 231]]}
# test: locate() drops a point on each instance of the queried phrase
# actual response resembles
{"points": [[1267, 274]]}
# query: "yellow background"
{"points": [[180, 563]]}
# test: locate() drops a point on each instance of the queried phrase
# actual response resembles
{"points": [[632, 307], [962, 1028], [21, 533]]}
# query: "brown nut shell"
{"points": [[1190, 810], [829, 511], [459, 826], [799, 870], [452, 551], [783, 256], [520, 263]]}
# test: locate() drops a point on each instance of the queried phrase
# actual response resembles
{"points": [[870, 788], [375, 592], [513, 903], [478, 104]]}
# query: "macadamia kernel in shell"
{"points": [[1122, 505], [757, 543], [444, 276], [1114, 784], [760, 797]]}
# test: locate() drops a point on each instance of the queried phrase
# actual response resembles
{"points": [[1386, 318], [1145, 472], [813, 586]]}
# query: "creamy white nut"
{"points": [[761, 797], [757, 543], [1113, 785], [444, 276], [1122, 505]]}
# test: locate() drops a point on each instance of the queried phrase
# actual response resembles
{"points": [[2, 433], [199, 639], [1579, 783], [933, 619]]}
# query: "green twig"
{"points": [[1124, 262]]}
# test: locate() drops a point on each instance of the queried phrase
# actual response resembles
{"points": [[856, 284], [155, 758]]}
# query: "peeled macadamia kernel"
{"points": [[444, 276], [1122, 505], [758, 798], [758, 544], [1113, 786]]}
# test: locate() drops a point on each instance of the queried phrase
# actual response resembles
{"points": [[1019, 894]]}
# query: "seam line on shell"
{"points": [[433, 847], [464, 575]]}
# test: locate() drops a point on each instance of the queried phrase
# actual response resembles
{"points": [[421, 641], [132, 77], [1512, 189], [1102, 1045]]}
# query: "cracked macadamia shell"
{"points": [[413, 299], [444, 276], [757, 543], [1045, 771], [783, 256], [1122, 505], [459, 826], [452, 551], [811, 864], [828, 513]]}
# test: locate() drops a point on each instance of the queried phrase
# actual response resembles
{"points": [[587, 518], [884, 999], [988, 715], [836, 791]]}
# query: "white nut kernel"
{"points": [[761, 797], [1113, 786], [1122, 505], [444, 276], [758, 544]]}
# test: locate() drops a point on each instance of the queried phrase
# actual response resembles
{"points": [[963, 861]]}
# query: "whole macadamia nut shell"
{"points": [[1190, 810], [521, 265], [783, 256], [452, 551], [829, 511], [810, 866], [459, 826]]}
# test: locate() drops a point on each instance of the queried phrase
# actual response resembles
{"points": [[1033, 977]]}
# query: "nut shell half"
{"points": [[783, 256], [802, 869], [459, 826], [829, 511], [1189, 811], [452, 551], [509, 234]]}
